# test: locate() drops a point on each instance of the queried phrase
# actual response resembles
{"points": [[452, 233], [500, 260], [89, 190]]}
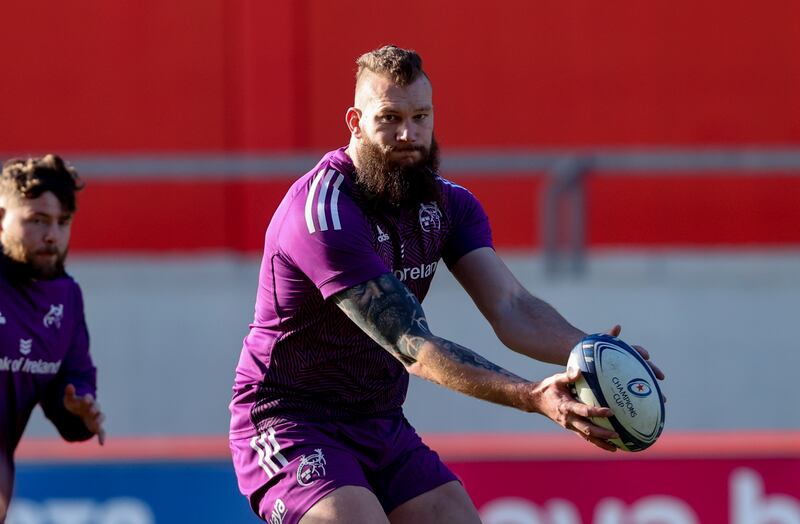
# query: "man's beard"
{"points": [[26, 266], [386, 182]]}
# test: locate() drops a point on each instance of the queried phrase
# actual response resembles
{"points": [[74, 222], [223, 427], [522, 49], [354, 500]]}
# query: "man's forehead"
{"points": [[374, 89], [47, 204]]}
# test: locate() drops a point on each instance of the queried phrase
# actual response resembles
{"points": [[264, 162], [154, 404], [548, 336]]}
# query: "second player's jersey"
{"points": [[44, 345], [303, 358]]}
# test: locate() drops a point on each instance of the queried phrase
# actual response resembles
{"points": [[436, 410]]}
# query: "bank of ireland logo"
{"points": [[429, 216], [639, 387], [25, 345], [54, 316], [311, 468]]}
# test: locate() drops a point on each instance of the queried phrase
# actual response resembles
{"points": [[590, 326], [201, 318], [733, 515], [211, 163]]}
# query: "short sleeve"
{"points": [[331, 243], [470, 227]]}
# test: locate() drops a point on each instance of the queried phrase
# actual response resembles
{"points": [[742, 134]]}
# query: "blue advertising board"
{"points": [[128, 493]]}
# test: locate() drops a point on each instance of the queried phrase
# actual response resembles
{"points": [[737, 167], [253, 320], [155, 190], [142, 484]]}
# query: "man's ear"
{"points": [[353, 120]]}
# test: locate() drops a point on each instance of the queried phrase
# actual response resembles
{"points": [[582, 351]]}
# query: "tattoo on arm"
{"points": [[392, 316], [389, 313], [467, 356]]}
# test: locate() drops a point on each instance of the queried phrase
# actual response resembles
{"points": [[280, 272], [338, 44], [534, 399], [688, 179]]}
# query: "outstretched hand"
{"points": [[87, 409], [555, 401]]}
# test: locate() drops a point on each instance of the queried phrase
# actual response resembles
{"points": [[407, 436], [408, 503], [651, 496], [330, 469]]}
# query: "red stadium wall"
{"points": [[210, 75], [190, 77]]}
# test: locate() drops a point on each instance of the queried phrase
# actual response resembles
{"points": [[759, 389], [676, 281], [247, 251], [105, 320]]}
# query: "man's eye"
{"points": [[389, 118], [422, 116]]}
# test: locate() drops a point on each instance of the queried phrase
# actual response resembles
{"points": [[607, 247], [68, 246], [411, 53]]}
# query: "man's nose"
{"points": [[407, 132], [51, 233]]}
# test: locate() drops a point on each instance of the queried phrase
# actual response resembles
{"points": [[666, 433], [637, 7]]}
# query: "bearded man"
{"points": [[317, 428], [44, 343]]}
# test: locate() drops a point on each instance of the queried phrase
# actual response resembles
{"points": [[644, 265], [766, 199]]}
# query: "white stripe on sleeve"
{"points": [[310, 202], [335, 203], [323, 194]]}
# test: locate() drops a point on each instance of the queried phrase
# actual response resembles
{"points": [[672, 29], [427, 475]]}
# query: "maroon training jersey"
{"points": [[304, 359]]}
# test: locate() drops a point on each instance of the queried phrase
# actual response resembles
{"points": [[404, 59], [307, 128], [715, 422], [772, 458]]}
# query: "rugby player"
{"points": [[317, 428], [44, 343]]}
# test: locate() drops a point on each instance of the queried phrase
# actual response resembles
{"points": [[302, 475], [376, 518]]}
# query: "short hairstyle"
{"points": [[402, 66], [29, 178]]}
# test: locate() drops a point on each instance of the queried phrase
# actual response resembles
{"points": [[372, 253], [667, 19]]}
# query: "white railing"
{"points": [[562, 205]]}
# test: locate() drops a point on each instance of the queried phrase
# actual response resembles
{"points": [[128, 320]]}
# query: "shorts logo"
{"points": [[429, 216], [268, 453], [54, 316], [311, 468], [278, 512]]}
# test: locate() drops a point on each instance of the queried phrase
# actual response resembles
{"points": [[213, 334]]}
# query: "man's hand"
{"points": [[555, 401], [616, 330], [87, 409]]}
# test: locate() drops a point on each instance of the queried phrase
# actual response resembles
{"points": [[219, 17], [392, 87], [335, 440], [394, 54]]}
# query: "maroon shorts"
{"points": [[288, 468]]}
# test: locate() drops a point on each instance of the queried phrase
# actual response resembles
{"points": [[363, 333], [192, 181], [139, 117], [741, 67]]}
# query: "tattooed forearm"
{"points": [[389, 313], [468, 357], [392, 316]]}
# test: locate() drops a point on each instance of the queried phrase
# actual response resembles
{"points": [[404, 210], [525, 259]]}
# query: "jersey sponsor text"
{"points": [[26, 365], [416, 272]]}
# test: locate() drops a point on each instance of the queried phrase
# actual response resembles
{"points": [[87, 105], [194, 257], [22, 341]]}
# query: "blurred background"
{"points": [[639, 163]]}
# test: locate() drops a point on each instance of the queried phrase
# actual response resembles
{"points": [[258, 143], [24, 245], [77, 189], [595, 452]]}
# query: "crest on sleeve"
{"points": [[430, 217]]}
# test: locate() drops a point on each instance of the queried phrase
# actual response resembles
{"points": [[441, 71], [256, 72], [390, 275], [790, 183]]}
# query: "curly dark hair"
{"points": [[30, 177], [402, 66]]}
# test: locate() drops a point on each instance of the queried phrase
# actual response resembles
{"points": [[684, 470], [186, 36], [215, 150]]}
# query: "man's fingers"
{"points": [[69, 391], [602, 444], [656, 370], [97, 417], [95, 425], [565, 378], [95, 422], [93, 408], [589, 430], [643, 352], [646, 355], [614, 331], [585, 410], [87, 409]]}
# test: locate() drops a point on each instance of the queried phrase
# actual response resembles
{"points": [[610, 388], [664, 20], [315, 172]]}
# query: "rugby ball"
{"points": [[614, 375]]}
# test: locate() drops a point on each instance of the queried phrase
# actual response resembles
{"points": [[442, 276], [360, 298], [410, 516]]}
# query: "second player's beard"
{"points": [[387, 182], [26, 265]]}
